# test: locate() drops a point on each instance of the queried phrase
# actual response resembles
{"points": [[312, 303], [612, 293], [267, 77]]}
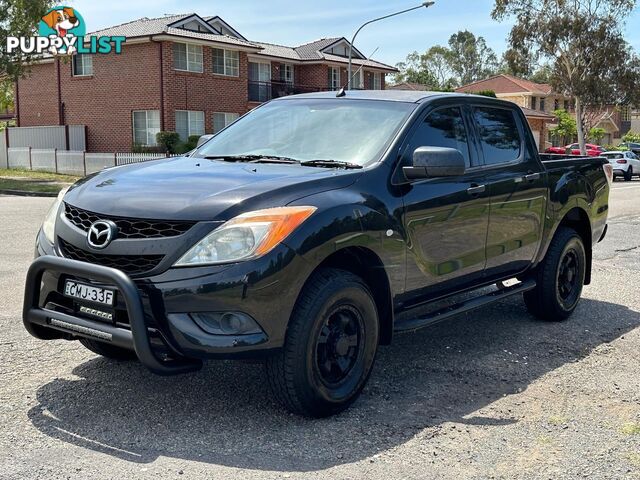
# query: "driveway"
{"points": [[490, 394]]}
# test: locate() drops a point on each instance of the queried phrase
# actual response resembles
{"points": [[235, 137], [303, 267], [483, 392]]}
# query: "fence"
{"points": [[71, 162], [65, 137]]}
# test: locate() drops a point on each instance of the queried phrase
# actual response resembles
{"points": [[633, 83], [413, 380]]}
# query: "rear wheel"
{"points": [[628, 175], [559, 278], [108, 351], [330, 348]]}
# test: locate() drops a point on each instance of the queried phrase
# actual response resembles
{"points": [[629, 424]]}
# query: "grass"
{"points": [[34, 182], [631, 428]]}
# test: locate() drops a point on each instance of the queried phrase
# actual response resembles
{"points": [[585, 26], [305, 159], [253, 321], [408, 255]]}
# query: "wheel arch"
{"points": [[578, 219]]}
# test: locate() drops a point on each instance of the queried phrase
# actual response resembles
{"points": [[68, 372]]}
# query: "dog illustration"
{"points": [[62, 21]]}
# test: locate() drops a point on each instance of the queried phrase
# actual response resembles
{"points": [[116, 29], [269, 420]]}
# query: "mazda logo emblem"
{"points": [[101, 234]]}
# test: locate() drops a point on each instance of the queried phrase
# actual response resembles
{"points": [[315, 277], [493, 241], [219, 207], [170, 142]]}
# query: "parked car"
{"points": [[634, 147], [574, 149], [624, 163], [312, 230]]}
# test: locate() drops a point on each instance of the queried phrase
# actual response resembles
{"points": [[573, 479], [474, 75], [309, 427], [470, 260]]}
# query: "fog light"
{"points": [[226, 323]]}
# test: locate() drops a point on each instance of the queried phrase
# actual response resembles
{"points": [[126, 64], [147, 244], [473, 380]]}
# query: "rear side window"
{"points": [[499, 135], [443, 128]]}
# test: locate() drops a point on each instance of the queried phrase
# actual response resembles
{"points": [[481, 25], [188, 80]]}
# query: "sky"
{"points": [[296, 22]]}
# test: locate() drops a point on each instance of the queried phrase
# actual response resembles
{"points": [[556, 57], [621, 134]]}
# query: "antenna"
{"points": [[342, 92]]}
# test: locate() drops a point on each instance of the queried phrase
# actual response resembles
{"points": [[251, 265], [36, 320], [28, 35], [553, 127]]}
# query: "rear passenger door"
{"points": [[516, 184]]}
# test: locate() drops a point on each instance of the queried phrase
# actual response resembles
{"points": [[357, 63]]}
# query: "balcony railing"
{"points": [[265, 91]]}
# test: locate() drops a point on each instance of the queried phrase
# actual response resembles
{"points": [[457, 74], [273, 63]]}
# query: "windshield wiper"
{"points": [[252, 158], [331, 164]]}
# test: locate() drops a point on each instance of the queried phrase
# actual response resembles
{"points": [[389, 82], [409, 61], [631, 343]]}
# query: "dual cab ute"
{"points": [[309, 231]]}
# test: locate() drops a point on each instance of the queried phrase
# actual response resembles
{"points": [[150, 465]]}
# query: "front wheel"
{"points": [[330, 347], [559, 278], [628, 175]]}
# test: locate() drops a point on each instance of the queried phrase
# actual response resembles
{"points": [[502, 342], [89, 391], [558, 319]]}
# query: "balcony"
{"points": [[265, 91]]}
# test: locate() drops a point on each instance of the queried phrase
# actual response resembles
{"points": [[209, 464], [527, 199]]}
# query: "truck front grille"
{"points": [[130, 264], [128, 227]]}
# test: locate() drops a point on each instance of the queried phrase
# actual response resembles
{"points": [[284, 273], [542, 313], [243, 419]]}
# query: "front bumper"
{"points": [[151, 315]]}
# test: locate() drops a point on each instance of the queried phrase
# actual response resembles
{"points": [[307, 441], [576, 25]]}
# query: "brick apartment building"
{"points": [[181, 73]]}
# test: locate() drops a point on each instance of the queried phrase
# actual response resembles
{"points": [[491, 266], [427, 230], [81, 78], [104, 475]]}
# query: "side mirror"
{"points": [[435, 162], [204, 139]]}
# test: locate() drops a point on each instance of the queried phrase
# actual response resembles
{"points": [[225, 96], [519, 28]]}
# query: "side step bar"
{"points": [[463, 307]]}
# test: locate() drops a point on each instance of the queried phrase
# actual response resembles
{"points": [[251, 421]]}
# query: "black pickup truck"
{"points": [[311, 230]]}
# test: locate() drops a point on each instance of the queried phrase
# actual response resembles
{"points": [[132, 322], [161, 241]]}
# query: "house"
{"points": [[183, 73], [543, 101]]}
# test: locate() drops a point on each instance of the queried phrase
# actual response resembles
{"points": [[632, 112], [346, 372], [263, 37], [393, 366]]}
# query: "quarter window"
{"points": [[226, 62], [187, 57], [82, 65], [443, 128], [146, 125], [499, 135], [189, 123], [221, 120]]}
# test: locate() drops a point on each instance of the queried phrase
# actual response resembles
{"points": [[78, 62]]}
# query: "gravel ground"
{"points": [[491, 394]]}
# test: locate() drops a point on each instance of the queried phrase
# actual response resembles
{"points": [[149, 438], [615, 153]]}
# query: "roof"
{"points": [[144, 27], [408, 86], [537, 114], [504, 83]]}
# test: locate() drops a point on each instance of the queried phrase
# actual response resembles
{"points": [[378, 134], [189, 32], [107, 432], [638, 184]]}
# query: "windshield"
{"points": [[343, 130]]}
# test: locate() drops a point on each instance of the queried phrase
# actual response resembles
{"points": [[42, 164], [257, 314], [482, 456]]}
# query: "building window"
{"points": [[222, 120], [189, 123], [357, 83], [146, 125], [377, 81], [534, 101], [187, 57], [286, 73], [82, 65], [226, 62], [334, 78], [625, 113], [542, 105]]}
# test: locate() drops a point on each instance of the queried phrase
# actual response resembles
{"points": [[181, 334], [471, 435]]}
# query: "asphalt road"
{"points": [[491, 394]]}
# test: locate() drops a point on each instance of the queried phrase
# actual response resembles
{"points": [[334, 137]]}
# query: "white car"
{"points": [[625, 164]]}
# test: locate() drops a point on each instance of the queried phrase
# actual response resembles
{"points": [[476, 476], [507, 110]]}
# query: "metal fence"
{"points": [[65, 137], [72, 162], [3, 150]]}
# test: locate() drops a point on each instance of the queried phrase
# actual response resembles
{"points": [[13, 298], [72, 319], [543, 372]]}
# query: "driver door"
{"points": [[446, 219]]}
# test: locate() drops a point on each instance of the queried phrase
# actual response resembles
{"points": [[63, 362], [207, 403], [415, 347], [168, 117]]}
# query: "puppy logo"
{"points": [[62, 22]]}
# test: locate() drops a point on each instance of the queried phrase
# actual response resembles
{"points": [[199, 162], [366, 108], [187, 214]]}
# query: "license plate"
{"points": [[89, 293]]}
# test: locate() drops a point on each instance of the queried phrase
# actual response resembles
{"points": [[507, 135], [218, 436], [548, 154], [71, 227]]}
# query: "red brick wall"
{"points": [[205, 91], [38, 96]]}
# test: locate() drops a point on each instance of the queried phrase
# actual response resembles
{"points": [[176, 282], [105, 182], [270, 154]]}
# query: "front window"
{"points": [[146, 125], [355, 131], [334, 78], [377, 81], [222, 120], [226, 62], [187, 57], [189, 123], [82, 65]]}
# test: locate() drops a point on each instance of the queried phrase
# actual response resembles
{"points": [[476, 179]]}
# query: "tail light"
{"points": [[608, 171], [621, 161]]}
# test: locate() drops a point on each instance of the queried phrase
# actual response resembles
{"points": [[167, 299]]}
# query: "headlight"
{"points": [[247, 236], [49, 224]]}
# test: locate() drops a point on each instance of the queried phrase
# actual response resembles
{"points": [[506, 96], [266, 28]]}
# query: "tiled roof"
{"points": [[507, 84], [311, 50], [156, 26], [536, 114]]}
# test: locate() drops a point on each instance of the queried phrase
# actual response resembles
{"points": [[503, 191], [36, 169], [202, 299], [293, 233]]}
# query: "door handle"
{"points": [[532, 177], [476, 189]]}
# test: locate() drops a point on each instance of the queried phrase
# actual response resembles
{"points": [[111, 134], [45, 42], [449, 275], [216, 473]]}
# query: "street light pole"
{"points": [[422, 5]]}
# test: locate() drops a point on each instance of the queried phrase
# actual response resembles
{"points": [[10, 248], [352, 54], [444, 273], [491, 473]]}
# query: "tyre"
{"points": [[330, 346], [628, 175], [108, 351], [559, 278]]}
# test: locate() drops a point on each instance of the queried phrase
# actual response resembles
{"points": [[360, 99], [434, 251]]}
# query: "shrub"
{"points": [[168, 141], [487, 93], [632, 137]]}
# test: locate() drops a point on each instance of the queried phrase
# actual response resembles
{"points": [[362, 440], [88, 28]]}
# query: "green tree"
{"points": [[6, 95], [467, 58], [19, 18], [596, 134], [631, 137], [583, 45], [566, 129]]}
